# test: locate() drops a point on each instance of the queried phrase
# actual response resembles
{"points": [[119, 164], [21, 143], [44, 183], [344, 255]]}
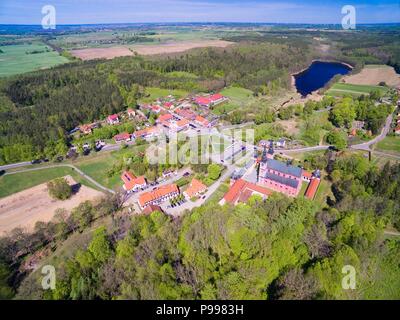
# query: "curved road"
{"points": [[84, 175]]}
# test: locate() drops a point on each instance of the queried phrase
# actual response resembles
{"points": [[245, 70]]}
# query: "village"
{"points": [[261, 175]]}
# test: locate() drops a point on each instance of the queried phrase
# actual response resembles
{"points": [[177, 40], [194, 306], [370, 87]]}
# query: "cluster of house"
{"points": [[159, 195], [273, 176], [173, 116], [170, 191]]}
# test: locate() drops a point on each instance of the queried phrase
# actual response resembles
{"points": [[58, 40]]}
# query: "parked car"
{"points": [[186, 174], [36, 161]]}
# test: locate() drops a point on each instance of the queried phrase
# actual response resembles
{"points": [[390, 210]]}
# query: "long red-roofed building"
{"points": [[312, 188], [158, 196]]}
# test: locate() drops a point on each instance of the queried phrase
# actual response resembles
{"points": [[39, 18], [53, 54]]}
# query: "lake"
{"points": [[318, 75]]}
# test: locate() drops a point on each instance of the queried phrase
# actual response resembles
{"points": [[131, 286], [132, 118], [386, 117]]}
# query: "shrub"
{"points": [[59, 189]]}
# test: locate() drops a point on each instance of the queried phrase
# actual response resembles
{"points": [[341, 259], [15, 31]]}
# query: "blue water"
{"points": [[318, 75]]}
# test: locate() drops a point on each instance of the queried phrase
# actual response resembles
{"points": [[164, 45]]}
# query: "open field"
{"points": [[155, 93], [145, 49], [17, 182], [373, 75], [340, 89], [390, 145], [25, 208], [23, 58]]}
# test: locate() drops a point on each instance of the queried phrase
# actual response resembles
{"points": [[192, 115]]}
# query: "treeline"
{"points": [[282, 248]]}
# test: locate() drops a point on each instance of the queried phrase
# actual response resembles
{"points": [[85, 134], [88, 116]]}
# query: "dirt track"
{"points": [[373, 75], [173, 47], [25, 208]]}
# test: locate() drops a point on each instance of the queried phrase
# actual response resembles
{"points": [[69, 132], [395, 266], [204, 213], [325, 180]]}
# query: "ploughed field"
{"points": [[147, 49], [25, 208]]}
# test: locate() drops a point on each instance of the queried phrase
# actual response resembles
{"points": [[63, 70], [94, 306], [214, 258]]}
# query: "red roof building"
{"points": [[131, 183], [312, 188], [186, 113], [158, 196], [202, 121], [306, 176], [165, 118], [113, 119], [125, 136], [146, 133], [152, 208], [242, 190], [168, 105], [195, 188]]}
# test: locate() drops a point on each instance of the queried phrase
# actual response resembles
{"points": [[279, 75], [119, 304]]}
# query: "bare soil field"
{"points": [[172, 47], [25, 208], [373, 75]]}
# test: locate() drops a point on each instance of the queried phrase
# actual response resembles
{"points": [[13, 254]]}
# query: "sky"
{"points": [[139, 11]]}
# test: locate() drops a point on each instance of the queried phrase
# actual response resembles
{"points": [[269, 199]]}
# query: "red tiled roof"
{"points": [[244, 187], [312, 188], [202, 100], [165, 117], [307, 174], [151, 208], [188, 114], [113, 117], [122, 136], [216, 97], [145, 132], [157, 194], [127, 177], [182, 123], [202, 120], [168, 105], [130, 181], [195, 187]]}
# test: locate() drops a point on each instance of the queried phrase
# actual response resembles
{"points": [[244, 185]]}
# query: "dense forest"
{"points": [[282, 248]]}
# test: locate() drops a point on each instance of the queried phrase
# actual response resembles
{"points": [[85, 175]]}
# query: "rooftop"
{"points": [[284, 168], [196, 186]]}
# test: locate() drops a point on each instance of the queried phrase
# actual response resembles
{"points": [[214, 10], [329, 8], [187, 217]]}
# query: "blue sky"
{"points": [[136, 11]]}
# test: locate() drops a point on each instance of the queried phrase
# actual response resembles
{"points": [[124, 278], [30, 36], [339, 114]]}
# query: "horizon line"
{"points": [[198, 22]]}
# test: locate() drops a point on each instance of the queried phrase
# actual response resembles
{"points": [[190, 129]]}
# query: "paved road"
{"points": [[367, 145], [69, 166]]}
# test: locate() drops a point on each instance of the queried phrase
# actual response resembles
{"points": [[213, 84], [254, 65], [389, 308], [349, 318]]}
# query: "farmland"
{"points": [[373, 75], [23, 58], [340, 89]]}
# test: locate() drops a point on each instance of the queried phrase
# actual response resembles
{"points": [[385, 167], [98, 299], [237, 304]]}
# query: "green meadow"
{"points": [[17, 182], [22, 58], [340, 89]]}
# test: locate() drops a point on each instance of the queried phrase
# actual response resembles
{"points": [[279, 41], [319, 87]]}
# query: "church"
{"points": [[277, 175]]}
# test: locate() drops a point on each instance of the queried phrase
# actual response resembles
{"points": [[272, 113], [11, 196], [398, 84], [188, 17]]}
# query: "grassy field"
{"points": [[237, 95], [13, 183], [340, 89], [155, 93], [389, 144], [98, 165], [15, 60]]}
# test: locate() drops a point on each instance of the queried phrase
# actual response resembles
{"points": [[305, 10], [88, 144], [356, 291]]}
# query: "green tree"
{"points": [[59, 189]]}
